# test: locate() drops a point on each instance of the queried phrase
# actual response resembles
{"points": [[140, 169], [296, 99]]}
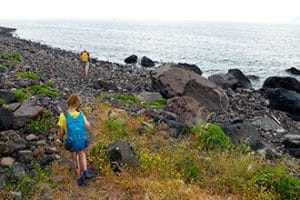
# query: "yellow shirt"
{"points": [[62, 119]]}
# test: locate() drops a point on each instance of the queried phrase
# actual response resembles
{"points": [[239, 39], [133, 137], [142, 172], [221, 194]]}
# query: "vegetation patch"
{"points": [[115, 127], [43, 123], [28, 76], [211, 137], [13, 58], [21, 95], [126, 99], [44, 89], [2, 102]]}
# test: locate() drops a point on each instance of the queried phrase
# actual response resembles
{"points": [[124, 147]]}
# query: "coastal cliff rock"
{"points": [[172, 80]]}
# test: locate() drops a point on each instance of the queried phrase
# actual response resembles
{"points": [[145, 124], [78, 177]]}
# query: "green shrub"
{"points": [[28, 76], [14, 58], [97, 157], [21, 95], [158, 104], [42, 89], [276, 179], [211, 136], [2, 67], [44, 123], [188, 170], [126, 99], [2, 102], [115, 127]]}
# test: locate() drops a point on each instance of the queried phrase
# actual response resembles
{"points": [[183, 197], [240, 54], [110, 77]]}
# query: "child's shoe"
{"points": [[86, 174], [80, 181]]}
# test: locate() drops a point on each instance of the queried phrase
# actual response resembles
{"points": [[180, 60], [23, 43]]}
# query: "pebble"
{"points": [[7, 161], [31, 137], [57, 179]]}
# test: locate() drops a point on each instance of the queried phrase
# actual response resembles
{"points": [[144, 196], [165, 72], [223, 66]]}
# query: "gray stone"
{"points": [[51, 150], [28, 111], [57, 179], [7, 162], [224, 80], [6, 119], [17, 195], [18, 171], [266, 123], [3, 180], [149, 96], [31, 137], [7, 96], [8, 142], [12, 107], [243, 81]]}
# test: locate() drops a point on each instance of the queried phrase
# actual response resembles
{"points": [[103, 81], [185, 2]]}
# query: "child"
{"points": [[74, 124]]}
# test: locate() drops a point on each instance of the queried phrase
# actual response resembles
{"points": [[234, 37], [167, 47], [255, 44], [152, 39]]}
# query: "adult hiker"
{"points": [[85, 62], [75, 125]]}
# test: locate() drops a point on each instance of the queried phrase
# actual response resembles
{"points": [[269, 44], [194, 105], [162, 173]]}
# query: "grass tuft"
{"points": [[28, 76], [44, 123]]}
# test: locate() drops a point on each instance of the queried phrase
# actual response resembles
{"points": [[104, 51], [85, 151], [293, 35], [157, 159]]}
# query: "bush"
{"points": [[276, 179], [189, 170], [14, 58], [44, 123], [211, 136], [2, 102], [28, 76], [115, 127], [21, 95]]}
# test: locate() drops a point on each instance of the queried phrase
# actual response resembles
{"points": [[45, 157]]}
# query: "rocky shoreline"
{"points": [[247, 115]]}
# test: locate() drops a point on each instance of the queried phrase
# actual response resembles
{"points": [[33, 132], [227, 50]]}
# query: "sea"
{"points": [[256, 49]]}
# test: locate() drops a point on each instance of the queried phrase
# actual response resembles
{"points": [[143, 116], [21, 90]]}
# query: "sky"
{"points": [[261, 11]]}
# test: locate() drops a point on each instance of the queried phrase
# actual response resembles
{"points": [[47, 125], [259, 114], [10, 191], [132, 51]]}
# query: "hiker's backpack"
{"points": [[77, 139], [84, 56]]}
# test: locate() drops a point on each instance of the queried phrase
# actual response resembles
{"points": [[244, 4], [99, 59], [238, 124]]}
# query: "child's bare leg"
{"points": [[82, 157], [76, 164]]}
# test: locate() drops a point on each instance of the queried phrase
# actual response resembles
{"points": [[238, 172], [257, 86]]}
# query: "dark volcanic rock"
{"points": [[193, 68], [105, 85], [224, 80], [241, 132], [147, 62], [292, 144], [293, 70], [131, 59], [172, 81], [243, 81], [6, 119], [284, 100], [121, 153], [288, 83], [7, 96]]}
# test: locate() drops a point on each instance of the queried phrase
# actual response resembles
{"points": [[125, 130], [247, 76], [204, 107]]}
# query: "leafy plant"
{"points": [[28, 76], [44, 123], [2, 102], [42, 89], [115, 127], [14, 58], [21, 95], [211, 136]]}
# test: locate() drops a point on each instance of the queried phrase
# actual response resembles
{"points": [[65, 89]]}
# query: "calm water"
{"points": [[256, 49]]}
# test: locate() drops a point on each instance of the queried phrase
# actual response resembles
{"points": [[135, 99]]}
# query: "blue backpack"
{"points": [[77, 139]]}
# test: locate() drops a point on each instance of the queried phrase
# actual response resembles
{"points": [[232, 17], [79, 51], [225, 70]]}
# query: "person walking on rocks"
{"points": [[85, 62], [75, 125]]}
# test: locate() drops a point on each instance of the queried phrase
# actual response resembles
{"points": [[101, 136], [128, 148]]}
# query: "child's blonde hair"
{"points": [[74, 101]]}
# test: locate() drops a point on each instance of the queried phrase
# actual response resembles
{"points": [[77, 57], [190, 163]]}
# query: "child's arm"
{"points": [[61, 133], [87, 125]]}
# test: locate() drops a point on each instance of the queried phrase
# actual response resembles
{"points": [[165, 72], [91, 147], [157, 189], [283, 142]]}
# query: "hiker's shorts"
{"points": [[84, 65]]}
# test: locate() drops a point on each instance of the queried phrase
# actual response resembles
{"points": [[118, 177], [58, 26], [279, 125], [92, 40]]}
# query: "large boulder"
{"points": [[292, 144], [131, 59], [8, 97], [105, 85], [224, 80], [122, 153], [241, 132], [193, 68], [284, 100], [288, 83], [243, 81], [188, 110], [6, 119], [147, 62], [28, 110], [293, 70], [172, 80]]}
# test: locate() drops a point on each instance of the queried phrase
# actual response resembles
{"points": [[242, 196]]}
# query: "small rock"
{"points": [[57, 179], [51, 150], [31, 137], [7, 162], [17, 195], [41, 142], [18, 171], [3, 180]]}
